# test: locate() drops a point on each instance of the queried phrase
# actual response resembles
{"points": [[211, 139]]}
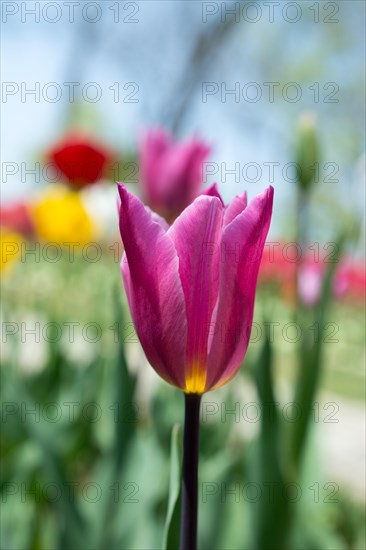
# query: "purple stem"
{"points": [[188, 529]]}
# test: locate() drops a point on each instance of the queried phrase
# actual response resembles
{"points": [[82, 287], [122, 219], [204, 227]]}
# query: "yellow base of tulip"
{"points": [[196, 380]]}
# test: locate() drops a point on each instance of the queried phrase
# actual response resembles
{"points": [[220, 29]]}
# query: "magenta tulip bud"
{"points": [[310, 281], [191, 286], [171, 172]]}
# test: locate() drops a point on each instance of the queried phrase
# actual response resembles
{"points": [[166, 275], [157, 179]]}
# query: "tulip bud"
{"points": [[171, 172], [192, 304], [307, 155]]}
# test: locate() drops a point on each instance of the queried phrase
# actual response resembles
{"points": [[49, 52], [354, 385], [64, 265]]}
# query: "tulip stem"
{"points": [[188, 530]]}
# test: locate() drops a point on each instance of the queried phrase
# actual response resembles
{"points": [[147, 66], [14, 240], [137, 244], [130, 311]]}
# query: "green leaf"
{"points": [[224, 522], [126, 407], [125, 417], [310, 366], [272, 513], [172, 521], [73, 526]]}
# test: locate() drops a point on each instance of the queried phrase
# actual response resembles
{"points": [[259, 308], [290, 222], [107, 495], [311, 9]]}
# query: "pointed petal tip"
{"points": [[213, 191], [265, 197], [123, 194], [120, 196], [243, 197], [270, 195], [120, 187]]}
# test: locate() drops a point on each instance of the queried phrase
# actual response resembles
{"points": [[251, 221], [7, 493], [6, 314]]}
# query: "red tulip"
{"points": [[81, 160], [191, 287], [171, 172], [16, 217]]}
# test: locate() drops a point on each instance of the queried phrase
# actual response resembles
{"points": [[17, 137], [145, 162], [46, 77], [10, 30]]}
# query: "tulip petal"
{"points": [[153, 288], [171, 172], [153, 146], [181, 174], [241, 251], [213, 191], [156, 218], [236, 207], [196, 236]]}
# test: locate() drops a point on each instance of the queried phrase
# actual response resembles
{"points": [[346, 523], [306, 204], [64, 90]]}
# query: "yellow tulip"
{"points": [[60, 216]]}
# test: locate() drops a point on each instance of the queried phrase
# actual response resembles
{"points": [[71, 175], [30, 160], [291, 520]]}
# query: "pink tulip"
{"points": [[171, 172], [310, 283], [349, 281], [191, 286]]}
